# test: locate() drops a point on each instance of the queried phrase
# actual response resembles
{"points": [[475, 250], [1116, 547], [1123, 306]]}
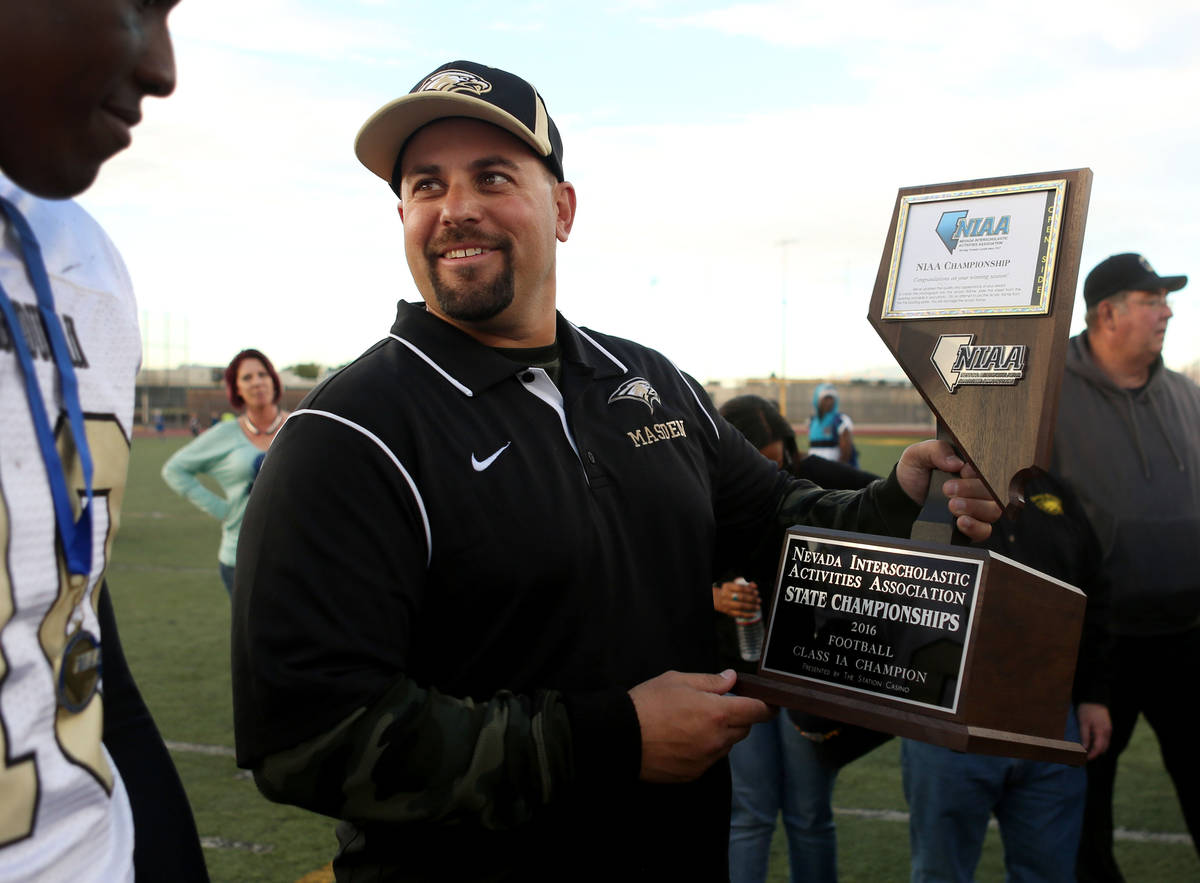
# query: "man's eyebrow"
{"points": [[429, 169], [497, 160], [484, 162]]}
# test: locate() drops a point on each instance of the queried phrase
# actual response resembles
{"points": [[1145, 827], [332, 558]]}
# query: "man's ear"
{"points": [[564, 206], [1107, 311]]}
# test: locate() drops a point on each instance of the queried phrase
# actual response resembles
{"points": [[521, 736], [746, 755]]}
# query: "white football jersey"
{"points": [[64, 813]]}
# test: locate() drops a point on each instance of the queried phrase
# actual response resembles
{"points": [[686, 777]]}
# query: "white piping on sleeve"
{"points": [[412, 485], [699, 404], [432, 364]]}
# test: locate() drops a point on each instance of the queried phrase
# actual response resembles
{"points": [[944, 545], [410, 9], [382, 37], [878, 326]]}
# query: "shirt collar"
{"points": [[473, 367]]}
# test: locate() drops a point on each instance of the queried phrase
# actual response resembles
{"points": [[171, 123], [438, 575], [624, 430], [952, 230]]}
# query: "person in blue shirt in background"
{"points": [[830, 432]]}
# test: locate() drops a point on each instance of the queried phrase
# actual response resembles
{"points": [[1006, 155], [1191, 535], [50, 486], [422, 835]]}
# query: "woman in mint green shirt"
{"points": [[231, 452]]}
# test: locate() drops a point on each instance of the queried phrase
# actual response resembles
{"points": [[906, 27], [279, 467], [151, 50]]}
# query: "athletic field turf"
{"points": [[174, 620]]}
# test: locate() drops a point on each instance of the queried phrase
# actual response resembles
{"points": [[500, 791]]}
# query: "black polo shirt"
{"points": [[475, 528], [435, 511]]}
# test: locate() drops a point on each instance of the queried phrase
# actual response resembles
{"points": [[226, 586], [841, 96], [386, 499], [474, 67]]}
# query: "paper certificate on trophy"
{"points": [[980, 252]]}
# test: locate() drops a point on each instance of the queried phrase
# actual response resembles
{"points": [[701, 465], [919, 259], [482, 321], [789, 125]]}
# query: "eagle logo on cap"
{"points": [[639, 390], [455, 81]]}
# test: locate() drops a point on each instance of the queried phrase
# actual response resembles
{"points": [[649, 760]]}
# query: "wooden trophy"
{"points": [[930, 638]]}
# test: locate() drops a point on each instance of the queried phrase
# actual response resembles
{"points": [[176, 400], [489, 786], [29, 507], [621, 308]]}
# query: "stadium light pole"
{"points": [[783, 245]]}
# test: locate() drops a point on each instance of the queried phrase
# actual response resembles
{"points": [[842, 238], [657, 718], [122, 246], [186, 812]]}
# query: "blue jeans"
{"points": [[951, 795], [774, 770]]}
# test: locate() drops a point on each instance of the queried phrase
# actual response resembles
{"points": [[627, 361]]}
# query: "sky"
{"points": [[736, 164]]}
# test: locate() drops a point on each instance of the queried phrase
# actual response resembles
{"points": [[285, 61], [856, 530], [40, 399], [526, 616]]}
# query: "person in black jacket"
{"points": [[779, 768]]}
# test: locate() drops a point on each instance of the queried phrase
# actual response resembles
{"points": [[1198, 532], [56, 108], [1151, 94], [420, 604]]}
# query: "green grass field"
{"points": [[174, 621]]}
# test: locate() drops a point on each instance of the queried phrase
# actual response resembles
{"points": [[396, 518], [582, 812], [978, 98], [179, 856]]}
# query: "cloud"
{"points": [[296, 28], [1030, 27]]}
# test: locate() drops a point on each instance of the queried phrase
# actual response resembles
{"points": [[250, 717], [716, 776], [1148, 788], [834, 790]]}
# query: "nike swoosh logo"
{"points": [[480, 465]]}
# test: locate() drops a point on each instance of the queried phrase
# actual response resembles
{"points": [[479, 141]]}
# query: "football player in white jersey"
{"points": [[87, 790]]}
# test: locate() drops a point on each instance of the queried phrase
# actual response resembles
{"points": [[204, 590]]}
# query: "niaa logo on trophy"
{"points": [[960, 362], [955, 226]]}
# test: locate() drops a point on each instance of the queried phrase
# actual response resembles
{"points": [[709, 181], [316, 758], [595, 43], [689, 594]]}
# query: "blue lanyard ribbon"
{"points": [[76, 535]]}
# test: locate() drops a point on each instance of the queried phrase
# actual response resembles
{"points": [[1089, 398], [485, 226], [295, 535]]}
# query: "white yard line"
{"points": [[892, 815], [193, 748], [222, 843], [882, 815]]}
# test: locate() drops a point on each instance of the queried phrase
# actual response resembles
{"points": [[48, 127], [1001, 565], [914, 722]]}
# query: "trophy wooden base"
{"points": [[948, 734], [957, 646]]}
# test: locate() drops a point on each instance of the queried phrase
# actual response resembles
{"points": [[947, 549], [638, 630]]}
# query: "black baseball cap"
{"points": [[1125, 272], [459, 89]]}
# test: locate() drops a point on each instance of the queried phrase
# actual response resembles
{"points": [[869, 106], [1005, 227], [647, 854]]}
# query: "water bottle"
{"points": [[749, 632]]}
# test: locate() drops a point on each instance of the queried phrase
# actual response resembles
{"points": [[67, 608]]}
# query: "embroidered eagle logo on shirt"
{"points": [[637, 389]]}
